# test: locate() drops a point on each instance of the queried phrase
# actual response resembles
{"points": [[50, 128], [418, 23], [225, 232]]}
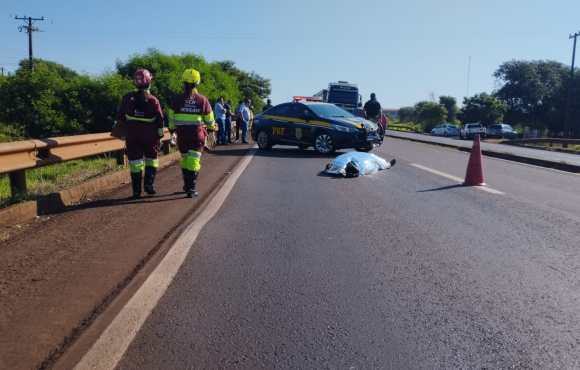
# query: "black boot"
{"points": [[189, 180], [149, 180], [136, 178], [193, 184], [186, 180]]}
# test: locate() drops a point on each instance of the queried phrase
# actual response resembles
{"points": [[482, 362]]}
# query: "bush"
{"points": [[54, 100]]}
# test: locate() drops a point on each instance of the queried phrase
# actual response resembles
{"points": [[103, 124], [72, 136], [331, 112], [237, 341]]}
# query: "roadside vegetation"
{"points": [[50, 179], [531, 95], [54, 100]]}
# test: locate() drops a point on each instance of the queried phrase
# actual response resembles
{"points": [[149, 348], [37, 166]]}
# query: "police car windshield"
{"points": [[329, 111]]}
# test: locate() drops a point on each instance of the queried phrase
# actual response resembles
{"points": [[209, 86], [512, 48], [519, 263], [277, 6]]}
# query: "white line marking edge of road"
{"points": [[456, 179], [110, 347]]}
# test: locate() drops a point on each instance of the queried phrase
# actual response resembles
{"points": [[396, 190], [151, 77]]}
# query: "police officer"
{"points": [[141, 113], [189, 114]]}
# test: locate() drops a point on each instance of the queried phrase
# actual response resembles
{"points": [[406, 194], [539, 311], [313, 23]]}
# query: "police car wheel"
{"points": [[323, 143], [263, 140]]}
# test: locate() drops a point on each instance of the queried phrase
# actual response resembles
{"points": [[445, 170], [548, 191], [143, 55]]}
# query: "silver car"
{"points": [[445, 129]]}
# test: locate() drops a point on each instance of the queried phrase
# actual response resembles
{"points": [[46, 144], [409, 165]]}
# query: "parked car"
{"points": [[445, 129], [469, 130], [502, 130]]}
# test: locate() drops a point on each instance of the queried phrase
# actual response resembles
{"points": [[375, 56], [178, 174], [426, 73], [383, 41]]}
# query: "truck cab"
{"points": [[344, 95]]}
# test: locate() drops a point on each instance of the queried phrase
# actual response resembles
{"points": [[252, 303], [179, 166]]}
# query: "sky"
{"points": [[404, 51]]}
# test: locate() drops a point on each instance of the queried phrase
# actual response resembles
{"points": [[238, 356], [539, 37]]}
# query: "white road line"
{"points": [[456, 179], [112, 344]]}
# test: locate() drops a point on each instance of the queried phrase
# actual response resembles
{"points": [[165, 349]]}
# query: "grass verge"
{"points": [[405, 127], [51, 179]]}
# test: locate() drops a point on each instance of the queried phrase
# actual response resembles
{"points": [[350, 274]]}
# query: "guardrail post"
{"points": [[17, 183], [121, 157], [166, 147]]}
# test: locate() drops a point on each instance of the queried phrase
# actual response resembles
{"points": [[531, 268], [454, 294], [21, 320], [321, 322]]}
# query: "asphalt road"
{"points": [[399, 270]]}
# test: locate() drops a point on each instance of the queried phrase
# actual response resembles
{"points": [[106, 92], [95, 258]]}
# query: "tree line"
{"points": [[53, 100], [534, 94]]}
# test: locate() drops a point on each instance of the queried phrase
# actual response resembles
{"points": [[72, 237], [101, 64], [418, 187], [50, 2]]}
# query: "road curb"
{"points": [[55, 202], [561, 166]]}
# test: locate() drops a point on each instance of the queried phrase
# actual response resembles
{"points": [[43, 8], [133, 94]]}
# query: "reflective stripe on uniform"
{"points": [[191, 161], [209, 118], [136, 166], [140, 119], [152, 162], [185, 119]]}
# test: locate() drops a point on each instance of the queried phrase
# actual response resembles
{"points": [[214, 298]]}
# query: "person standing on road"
{"points": [[189, 114], [220, 117], [239, 120], [268, 105], [141, 113], [244, 118], [373, 108], [228, 128]]}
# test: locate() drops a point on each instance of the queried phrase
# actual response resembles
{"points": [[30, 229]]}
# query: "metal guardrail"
{"points": [[17, 157]]}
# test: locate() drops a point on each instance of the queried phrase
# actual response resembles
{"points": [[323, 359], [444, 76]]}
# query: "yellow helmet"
{"points": [[191, 76]]}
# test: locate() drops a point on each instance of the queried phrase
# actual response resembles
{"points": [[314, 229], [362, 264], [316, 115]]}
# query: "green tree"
{"points": [[407, 114], [251, 85], [483, 108], [34, 101], [429, 114], [450, 105], [533, 92], [54, 100]]}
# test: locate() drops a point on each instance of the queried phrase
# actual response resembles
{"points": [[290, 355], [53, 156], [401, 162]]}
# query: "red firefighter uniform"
{"points": [[143, 117], [189, 114]]}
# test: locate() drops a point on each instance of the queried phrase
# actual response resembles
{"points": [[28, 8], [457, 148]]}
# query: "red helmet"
{"points": [[142, 78]]}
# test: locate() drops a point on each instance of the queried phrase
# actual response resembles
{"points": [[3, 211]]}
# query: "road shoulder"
{"points": [[56, 278]]}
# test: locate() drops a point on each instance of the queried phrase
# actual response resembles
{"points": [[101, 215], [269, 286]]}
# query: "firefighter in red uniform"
{"points": [[189, 114], [141, 113]]}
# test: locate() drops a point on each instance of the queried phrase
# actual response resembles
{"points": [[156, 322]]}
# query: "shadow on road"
{"points": [[229, 151], [447, 187], [330, 176], [101, 203], [293, 153]]}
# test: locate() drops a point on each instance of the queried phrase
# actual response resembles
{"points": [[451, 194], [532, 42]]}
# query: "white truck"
{"points": [[469, 130]]}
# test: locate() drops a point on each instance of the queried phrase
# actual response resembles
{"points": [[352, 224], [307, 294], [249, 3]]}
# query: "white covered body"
{"points": [[365, 163]]}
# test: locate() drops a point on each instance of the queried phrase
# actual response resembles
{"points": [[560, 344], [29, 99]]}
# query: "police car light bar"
{"points": [[307, 98]]}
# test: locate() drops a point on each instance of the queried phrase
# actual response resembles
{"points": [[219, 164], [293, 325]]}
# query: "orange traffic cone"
{"points": [[474, 174]]}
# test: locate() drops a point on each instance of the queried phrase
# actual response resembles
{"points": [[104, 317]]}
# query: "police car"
{"points": [[323, 126]]}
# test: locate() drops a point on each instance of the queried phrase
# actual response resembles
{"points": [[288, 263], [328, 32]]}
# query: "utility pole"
{"points": [[568, 117], [468, 75], [29, 28]]}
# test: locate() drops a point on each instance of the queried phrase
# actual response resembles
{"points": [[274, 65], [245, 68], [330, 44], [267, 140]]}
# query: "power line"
{"points": [[29, 28]]}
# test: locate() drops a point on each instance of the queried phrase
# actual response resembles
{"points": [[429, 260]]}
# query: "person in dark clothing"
{"points": [[228, 108], [373, 108], [268, 105], [141, 113]]}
